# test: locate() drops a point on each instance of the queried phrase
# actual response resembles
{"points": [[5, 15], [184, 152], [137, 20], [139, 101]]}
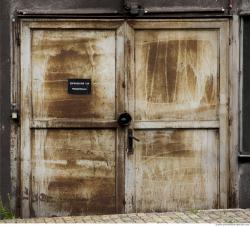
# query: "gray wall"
{"points": [[4, 100]]}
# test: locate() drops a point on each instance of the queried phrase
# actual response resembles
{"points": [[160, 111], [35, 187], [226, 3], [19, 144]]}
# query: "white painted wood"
{"points": [[175, 124], [224, 141], [129, 100], [234, 112], [120, 103], [25, 146], [38, 123], [209, 121]]}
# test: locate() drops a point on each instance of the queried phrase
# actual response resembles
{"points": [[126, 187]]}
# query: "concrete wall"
{"points": [[5, 64]]}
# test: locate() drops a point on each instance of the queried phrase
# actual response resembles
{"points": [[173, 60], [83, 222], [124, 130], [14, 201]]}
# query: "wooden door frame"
{"points": [[222, 25], [27, 122]]}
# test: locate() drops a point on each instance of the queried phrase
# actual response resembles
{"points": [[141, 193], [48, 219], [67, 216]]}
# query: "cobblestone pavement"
{"points": [[194, 216]]}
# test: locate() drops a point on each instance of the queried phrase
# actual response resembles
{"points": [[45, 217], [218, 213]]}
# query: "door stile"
{"points": [[120, 105], [223, 117], [25, 145], [130, 158]]}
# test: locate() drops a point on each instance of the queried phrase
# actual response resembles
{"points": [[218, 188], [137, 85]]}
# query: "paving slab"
{"points": [[230, 216]]}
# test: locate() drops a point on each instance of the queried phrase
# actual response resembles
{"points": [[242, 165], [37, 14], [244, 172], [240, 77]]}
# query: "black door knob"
{"points": [[124, 119]]}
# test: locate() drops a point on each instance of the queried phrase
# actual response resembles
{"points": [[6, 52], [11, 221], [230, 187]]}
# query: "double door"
{"points": [[79, 76]]}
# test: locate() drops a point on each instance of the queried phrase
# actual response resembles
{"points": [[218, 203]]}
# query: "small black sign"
{"points": [[79, 86]]}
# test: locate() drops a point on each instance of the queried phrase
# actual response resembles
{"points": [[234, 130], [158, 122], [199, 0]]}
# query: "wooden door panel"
{"points": [[73, 172], [177, 95], [176, 75], [176, 169], [70, 143], [59, 55]]}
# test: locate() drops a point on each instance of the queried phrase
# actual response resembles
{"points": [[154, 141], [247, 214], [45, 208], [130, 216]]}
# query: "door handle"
{"points": [[131, 139], [124, 119]]}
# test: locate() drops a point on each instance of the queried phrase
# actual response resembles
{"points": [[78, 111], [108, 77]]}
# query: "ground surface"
{"points": [[194, 216]]}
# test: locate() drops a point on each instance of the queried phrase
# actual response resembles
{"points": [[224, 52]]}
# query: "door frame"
{"points": [[233, 71]]}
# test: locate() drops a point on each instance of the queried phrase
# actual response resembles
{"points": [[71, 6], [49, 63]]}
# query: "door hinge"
{"points": [[15, 113], [133, 8], [16, 27]]}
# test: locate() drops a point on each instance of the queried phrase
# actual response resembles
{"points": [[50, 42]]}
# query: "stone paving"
{"points": [[235, 216]]}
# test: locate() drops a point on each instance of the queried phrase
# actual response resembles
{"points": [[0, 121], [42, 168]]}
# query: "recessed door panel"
{"points": [[59, 55], [176, 169], [73, 172], [176, 75]]}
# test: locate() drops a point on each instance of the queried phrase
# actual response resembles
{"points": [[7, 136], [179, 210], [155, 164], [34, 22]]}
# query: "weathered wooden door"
{"points": [[77, 76], [71, 147], [177, 96]]}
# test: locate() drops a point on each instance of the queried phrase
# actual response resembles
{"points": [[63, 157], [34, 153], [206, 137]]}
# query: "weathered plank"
{"points": [[59, 55], [176, 75], [69, 143], [179, 80], [73, 172], [176, 170]]}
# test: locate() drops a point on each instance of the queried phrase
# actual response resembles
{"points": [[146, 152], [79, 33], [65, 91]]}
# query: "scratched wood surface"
{"points": [[178, 89], [176, 170], [170, 75], [176, 75], [69, 143], [73, 172], [59, 55]]}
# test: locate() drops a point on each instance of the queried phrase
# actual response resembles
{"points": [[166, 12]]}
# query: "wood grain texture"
{"points": [[73, 172], [176, 170], [25, 154], [59, 55], [120, 103], [179, 81], [69, 143], [176, 75], [234, 109], [130, 77]]}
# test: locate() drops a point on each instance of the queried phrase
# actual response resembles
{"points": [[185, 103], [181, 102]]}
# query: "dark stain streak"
{"points": [[209, 90], [192, 81], [172, 64], [64, 65], [55, 44], [174, 146], [172, 68], [192, 55], [156, 72], [81, 196]]}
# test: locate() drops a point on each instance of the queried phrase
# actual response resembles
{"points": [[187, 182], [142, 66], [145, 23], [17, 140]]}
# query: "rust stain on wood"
{"points": [[163, 80], [73, 171], [176, 78], [171, 69], [59, 56], [96, 195]]}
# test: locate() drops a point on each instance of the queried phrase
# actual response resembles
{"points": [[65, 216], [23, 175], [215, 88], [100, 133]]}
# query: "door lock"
{"points": [[124, 119], [131, 139]]}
